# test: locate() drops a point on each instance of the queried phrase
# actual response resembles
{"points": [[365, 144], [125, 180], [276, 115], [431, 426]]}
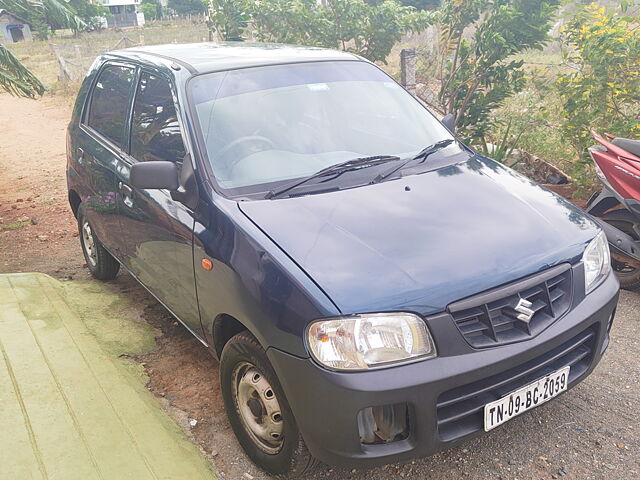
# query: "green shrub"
{"points": [[350, 25], [478, 71], [227, 18], [149, 10], [602, 91]]}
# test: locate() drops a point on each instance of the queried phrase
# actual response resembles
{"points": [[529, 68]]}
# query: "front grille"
{"points": [[490, 319], [460, 411]]}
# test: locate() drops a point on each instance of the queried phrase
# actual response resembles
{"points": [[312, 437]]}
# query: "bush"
{"points": [[149, 10], [602, 91], [227, 18], [477, 71], [418, 4], [351, 25]]}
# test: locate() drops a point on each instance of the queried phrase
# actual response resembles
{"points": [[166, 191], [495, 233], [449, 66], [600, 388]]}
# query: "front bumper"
{"points": [[444, 395]]}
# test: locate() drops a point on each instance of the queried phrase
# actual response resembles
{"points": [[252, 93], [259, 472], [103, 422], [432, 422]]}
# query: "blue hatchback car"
{"points": [[374, 289]]}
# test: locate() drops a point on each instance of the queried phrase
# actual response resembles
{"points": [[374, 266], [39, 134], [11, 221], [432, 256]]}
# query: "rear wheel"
{"points": [[100, 262], [627, 269], [258, 410]]}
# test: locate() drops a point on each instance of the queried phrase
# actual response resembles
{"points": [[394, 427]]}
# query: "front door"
{"points": [[156, 230]]}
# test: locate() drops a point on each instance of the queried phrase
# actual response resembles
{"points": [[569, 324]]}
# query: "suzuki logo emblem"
{"points": [[525, 314]]}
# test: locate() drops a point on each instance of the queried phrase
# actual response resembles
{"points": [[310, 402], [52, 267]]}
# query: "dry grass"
{"points": [[80, 52]]}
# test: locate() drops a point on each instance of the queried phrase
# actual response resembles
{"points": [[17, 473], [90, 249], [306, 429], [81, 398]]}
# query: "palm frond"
{"points": [[22, 8], [55, 12], [15, 78], [63, 13]]}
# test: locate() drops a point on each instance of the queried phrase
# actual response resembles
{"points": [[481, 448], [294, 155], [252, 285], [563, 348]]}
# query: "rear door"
{"points": [[157, 231], [101, 145]]}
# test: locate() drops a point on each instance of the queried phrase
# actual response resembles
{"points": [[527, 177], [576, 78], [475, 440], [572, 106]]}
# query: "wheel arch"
{"points": [[224, 327], [621, 215], [74, 201]]}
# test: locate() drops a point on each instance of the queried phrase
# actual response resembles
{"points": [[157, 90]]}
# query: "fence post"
{"points": [[64, 75], [142, 39], [408, 69]]}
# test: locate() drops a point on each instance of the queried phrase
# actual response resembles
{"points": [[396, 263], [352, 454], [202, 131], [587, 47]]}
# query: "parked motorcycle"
{"points": [[617, 206]]}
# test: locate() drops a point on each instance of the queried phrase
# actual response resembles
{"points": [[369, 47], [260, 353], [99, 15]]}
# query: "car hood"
{"points": [[423, 241]]}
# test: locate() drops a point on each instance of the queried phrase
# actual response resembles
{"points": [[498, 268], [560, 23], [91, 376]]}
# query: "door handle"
{"points": [[125, 189], [127, 194], [84, 157]]}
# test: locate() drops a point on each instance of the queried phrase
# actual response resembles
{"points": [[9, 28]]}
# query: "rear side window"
{"points": [[110, 101], [155, 132]]}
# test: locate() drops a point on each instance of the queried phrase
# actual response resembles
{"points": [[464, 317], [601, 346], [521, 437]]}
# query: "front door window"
{"points": [[155, 132]]}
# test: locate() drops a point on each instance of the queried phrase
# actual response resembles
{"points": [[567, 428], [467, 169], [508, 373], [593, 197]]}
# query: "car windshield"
{"points": [[265, 125]]}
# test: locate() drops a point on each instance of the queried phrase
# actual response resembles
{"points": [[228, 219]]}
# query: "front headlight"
{"points": [[597, 261], [362, 342]]}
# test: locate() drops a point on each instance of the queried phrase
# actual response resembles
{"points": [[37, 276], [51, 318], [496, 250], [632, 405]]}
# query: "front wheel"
{"points": [[258, 410]]}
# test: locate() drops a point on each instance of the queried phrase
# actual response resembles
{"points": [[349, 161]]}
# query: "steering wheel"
{"points": [[240, 141]]}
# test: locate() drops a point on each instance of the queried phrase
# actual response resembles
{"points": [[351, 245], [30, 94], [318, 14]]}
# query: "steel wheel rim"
{"points": [[258, 408], [89, 243]]}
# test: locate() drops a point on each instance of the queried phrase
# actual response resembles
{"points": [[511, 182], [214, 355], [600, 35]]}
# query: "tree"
{"points": [[46, 15], [477, 71], [351, 25], [228, 19], [154, 11], [149, 10], [90, 13], [602, 89], [15, 78], [417, 4], [187, 7]]}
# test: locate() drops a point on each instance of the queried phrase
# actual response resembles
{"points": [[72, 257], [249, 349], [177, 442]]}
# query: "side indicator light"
{"points": [[207, 264]]}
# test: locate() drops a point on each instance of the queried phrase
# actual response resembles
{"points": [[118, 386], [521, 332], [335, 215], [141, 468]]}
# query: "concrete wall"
{"points": [[123, 16], [6, 21]]}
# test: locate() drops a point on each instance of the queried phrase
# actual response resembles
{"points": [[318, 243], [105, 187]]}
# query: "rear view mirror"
{"points": [[449, 121], [154, 175]]}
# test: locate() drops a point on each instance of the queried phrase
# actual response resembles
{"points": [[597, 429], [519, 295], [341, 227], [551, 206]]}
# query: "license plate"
{"points": [[525, 398]]}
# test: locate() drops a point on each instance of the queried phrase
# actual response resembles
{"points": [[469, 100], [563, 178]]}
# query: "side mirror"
{"points": [[449, 121], [154, 175]]}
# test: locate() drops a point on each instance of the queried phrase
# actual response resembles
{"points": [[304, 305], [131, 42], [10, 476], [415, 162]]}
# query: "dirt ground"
{"points": [[591, 432]]}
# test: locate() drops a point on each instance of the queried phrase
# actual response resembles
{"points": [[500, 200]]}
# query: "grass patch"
{"points": [[112, 318], [14, 225]]}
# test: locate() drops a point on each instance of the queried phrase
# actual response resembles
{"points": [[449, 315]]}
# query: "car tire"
{"points": [[100, 262], [258, 410]]}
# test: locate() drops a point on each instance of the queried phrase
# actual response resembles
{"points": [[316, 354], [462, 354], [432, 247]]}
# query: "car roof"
{"points": [[211, 56]]}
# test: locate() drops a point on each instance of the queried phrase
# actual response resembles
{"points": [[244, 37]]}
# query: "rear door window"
{"points": [[155, 131], [110, 102]]}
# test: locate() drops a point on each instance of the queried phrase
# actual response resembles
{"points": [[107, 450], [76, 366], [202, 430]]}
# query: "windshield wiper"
{"points": [[338, 169], [421, 155]]}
